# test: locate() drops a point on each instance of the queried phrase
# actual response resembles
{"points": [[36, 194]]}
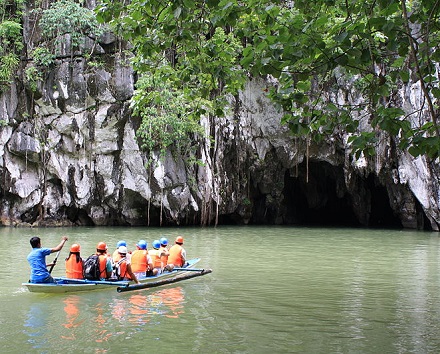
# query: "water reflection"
{"points": [[173, 300], [72, 316], [36, 326], [102, 332], [98, 320], [142, 308]]}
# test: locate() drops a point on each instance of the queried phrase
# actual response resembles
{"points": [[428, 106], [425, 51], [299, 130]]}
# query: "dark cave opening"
{"points": [[317, 197], [381, 214]]}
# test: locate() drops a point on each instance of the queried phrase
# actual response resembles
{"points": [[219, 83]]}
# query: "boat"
{"points": [[67, 285]]}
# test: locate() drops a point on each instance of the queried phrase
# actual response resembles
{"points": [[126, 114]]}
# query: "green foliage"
{"points": [[363, 142], [32, 76], [314, 48], [68, 17], [11, 41], [8, 65], [42, 57], [164, 113], [10, 32], [194, 66]]}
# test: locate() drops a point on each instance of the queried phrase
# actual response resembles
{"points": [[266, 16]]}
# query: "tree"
{"points": [[316, 49], [66, 17]]}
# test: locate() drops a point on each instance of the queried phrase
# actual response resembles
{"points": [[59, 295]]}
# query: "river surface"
{"points": [[272, 290]]}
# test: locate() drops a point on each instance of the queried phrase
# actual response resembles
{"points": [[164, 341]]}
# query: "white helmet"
{"points": [[122, 249]]}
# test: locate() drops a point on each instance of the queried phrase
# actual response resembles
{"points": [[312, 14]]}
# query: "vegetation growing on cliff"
{"points": [[11, 40], [66, 17], [313, 48], [165, 116]]}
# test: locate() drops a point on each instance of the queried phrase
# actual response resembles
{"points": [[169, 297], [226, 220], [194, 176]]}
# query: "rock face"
{"points": [[70, 156]]}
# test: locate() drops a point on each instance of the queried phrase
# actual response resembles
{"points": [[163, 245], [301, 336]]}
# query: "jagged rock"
{"points": [[25, 146]]}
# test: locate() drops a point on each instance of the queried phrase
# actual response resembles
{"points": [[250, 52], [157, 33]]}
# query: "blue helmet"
{"points": [[121, 243], [142, 244], [156, 244], [163, 241]]}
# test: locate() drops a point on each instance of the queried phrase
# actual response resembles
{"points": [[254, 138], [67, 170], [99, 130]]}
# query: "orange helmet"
{"points": [[179, 239], [101, 246], [75, 248]]}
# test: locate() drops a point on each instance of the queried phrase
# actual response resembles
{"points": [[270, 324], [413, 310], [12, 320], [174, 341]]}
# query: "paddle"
{"points": [[54, 262]]}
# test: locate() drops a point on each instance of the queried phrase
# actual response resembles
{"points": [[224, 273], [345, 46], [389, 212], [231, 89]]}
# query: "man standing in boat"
{"points": [[37, 260]]}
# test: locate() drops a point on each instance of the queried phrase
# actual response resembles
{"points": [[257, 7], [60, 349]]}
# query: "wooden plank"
{"points": [[162, 282]]}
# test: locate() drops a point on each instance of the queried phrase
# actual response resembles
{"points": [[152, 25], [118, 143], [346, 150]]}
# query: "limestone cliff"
{"points": [[70, 156]]}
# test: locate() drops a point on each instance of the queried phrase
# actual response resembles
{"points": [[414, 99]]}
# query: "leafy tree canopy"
{"points": [[337, 62]]}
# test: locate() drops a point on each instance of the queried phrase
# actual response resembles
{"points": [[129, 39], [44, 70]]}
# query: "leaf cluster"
{"points": [[164, 112], [68, 17], [11, 40]]}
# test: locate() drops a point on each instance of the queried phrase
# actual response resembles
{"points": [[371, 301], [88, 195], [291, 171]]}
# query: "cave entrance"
{"points": [[319, 197], [381, 214]]}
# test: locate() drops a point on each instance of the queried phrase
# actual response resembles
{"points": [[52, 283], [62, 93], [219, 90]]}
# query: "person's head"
{"points": [[179, 240], [122, 250], [163, 241], [75, 248], [121, 243], [156, 244], [74, 252], [142, 245], [101, 247], [35, 242]]}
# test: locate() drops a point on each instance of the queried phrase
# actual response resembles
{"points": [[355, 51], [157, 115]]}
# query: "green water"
{"points": [[272, 290]]}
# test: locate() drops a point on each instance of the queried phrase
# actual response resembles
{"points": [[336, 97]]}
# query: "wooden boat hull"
{"points": [[65, 285]]}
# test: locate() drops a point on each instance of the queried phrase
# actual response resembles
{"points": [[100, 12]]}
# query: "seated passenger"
{"points": [[177, 255], [141, 262], [123, 270], [74, 263]]}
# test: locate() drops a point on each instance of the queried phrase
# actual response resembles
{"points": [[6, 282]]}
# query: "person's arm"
{"points": [[183, 254], [149, 263], [108, 268], [60, 246], [132, 275], [161, 254]]}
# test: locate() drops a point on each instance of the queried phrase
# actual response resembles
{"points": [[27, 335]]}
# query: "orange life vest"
{"points": [[139, 261], [155, 258], [123, 274], [175, 256], [103, 265], [74, 269]]}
